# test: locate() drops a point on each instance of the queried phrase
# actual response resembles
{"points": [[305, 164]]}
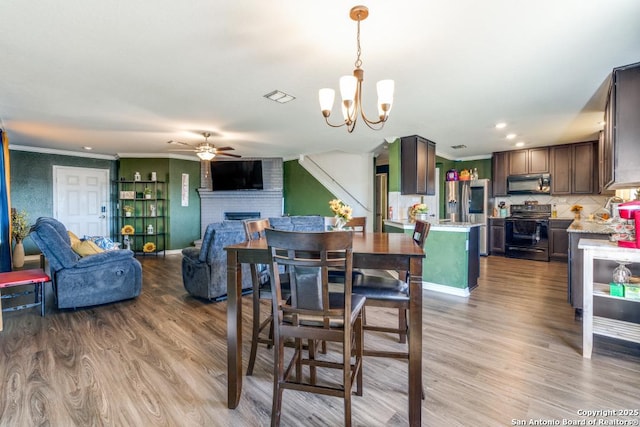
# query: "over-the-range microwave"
{"points": [[529, 184]]}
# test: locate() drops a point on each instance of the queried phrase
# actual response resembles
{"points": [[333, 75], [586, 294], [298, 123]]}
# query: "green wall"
{"points": [[32, 182], [183, 222], [394, 166], [32, 189], [303, 194]]}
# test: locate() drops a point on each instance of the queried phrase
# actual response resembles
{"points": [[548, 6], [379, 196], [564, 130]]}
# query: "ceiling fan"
{"points": [[205, 150]]}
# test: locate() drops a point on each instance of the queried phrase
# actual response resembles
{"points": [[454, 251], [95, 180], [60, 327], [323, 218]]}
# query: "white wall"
{"points": [[347, 175]]}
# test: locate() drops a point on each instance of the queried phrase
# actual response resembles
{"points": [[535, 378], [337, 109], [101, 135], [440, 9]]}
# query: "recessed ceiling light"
{"points": [[279, 96], [501, 125], [88, 148], [520, 144], [511, 136]]}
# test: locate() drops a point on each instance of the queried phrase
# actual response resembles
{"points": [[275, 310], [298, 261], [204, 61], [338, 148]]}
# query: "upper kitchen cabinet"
{"points": [[500, 166], [621, 145], [417, 165], [528, 161], [573, 168]]}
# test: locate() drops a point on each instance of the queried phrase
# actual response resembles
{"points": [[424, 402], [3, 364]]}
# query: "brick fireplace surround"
{"points": [[268, 202]]}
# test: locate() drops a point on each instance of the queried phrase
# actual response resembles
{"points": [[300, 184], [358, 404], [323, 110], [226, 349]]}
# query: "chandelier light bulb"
{"points": [[326, 97]]}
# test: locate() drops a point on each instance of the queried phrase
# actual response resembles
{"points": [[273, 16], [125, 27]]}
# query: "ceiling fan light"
{"points": [[205, 155]]}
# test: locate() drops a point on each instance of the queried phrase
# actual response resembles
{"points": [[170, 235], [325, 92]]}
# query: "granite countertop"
{"points": [[439, 225], [587, 226]]}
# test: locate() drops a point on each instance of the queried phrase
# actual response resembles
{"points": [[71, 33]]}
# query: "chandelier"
{"points": [[205, 152], [351, 90]]}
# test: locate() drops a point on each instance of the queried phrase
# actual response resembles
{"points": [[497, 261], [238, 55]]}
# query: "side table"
{"points": [[35, 277]]}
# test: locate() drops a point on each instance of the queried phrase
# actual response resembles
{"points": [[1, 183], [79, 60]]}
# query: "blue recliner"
{"points": [[92, 280]]}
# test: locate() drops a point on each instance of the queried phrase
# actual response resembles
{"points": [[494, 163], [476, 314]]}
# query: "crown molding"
{"points": [[61, 152]]}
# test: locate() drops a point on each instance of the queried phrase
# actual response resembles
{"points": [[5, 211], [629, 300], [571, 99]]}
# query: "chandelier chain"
{"points": [[358, 62]]}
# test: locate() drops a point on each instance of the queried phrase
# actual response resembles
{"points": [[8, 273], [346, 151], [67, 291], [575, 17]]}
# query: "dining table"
{"points": [[380, 251]]}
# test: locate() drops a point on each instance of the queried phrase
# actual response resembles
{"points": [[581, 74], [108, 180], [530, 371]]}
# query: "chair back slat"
{"points": [[308, 256], [420, 232]]}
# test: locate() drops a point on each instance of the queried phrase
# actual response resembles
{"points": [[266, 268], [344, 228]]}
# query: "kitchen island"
{"points": [[602, 273], [452, 263]]}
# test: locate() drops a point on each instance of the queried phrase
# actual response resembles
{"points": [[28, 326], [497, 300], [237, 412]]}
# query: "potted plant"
{"points": [[147, 192], [19, 230], [128, 210]]}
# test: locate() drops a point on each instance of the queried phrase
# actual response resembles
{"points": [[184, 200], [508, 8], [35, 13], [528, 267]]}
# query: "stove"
{"points": [[527, 232]]}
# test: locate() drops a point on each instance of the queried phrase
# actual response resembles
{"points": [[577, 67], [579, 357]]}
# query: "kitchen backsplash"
{"points": [[589, 203], [401, 204]]}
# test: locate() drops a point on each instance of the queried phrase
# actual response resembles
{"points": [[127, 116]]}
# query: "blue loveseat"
{"points": [[80, 282], [204, 269]]}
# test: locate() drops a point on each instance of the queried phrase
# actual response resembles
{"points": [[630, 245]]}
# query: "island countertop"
{"points": [[406, 224], [591, 227]]}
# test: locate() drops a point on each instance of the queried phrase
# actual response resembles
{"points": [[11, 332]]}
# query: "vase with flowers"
{"points": [[418, 211], [19, 230], [342, 213], [577, 210]]}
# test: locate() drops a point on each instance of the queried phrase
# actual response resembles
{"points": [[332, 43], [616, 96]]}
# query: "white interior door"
{"points": [[81, 199]]}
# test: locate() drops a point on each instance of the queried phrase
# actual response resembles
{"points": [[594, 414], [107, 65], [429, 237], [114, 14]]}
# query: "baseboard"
{"points": [[173, 251], [446, 289]]}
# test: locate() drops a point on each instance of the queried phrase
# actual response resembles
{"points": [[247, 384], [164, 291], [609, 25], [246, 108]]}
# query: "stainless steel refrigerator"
{"points": [[468, 201]]}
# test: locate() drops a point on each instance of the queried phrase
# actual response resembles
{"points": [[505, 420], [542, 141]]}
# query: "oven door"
{"points": [[527, 238]]}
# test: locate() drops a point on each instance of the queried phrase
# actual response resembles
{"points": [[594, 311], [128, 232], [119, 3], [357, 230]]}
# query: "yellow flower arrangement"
{"points": [[576, 209], [418, 208], [341, 210], [127, 230], [149, 247]]}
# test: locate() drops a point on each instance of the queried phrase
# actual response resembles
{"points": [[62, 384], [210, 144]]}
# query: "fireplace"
{"points": [[239, 216]]}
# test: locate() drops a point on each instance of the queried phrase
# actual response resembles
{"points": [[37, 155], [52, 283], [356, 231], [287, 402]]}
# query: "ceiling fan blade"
{"points": [[179, 142], [224, 148], [228, 154]]}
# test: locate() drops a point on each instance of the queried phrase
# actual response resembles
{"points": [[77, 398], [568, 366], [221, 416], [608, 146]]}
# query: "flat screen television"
{"points": [[232, 175]]}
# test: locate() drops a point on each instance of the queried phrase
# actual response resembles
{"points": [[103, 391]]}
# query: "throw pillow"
{"points": [[74, 239], [86, 247], [103, 243]]}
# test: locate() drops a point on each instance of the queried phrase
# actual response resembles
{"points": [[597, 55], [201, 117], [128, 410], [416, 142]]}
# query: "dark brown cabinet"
{"points": [[573, 168], [500, 166], [417, 165], [496, 236], [559, 239], [532, 160], [621, 150]]}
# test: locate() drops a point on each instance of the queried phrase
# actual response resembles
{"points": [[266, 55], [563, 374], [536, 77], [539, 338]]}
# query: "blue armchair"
{"points": [[204, 269], [80, 282]]}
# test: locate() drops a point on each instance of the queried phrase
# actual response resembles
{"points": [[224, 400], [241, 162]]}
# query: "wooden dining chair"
{"points": [[313, 313], [384, 291], [254, 229], [357, 224]]}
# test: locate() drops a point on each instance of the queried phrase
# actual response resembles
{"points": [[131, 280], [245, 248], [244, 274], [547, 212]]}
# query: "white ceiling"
{"points": [[127, 76]]}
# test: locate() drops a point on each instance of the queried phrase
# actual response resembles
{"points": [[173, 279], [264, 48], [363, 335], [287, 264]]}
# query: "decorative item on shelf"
{"points": [[418, 211], [351, 90], [147, 192], [128, 210], [127, 231], [452, 175], [150, 229], [128, 195], [577, 210], [152, 210], [19, 230], [464, 175], [342, 213], [137, 177], [153, 176], [149, 247]]}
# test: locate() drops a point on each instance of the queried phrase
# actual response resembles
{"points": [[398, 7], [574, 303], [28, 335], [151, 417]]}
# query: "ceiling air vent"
{"points": [[458, 147], [279, 96]]}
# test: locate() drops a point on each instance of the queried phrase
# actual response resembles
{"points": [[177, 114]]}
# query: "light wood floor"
{"points": [[511, 351]]}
